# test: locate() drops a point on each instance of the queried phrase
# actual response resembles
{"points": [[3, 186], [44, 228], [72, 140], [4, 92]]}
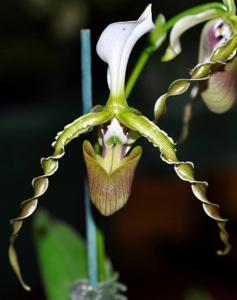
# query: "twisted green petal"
{"points": [[50, 166], [185, 170]]}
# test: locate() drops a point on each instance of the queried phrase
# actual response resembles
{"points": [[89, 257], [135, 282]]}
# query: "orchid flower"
{"points": [[111, 172], [217, 67]]}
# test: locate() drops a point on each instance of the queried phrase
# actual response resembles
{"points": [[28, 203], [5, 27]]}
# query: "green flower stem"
{"points": [[101, 255], [148, 51], [143, 58], [87, 105], [194, 10]]}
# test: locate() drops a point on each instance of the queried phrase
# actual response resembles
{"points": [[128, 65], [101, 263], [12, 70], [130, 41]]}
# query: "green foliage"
{"points": [[61, 255], [62, 260]]}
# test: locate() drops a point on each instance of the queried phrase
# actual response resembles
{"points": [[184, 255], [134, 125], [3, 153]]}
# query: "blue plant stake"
{"points": [[86, 107]]}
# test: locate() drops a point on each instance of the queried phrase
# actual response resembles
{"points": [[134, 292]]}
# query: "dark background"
{"points": [[162, 243]]}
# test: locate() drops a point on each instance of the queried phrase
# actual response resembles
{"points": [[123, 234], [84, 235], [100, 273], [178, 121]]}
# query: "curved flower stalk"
{"points": [[111, 171]]}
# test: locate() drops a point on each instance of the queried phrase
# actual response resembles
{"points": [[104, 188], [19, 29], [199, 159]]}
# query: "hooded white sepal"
{"points": [[115, 45]]}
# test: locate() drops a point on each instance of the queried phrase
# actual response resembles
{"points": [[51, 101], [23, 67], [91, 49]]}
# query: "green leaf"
{"points": [[61, 255]]}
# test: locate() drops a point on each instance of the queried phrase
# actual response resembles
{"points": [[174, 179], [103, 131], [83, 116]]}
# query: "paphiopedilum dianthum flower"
{"points": [[111, 171], [216, 72]]}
